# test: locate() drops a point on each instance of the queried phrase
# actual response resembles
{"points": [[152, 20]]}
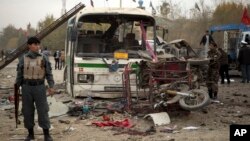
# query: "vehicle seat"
{"points": [[90, 32], [130, 40], [98, 32]]}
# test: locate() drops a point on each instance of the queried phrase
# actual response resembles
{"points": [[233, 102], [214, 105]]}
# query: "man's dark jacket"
{"points": [[204, 40], [244, 55]]}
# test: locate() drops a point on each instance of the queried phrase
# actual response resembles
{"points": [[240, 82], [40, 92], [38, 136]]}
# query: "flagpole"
{"points": [[120, 3]]}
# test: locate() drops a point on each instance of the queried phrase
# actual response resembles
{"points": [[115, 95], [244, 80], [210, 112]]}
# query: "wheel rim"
{"points": [[196, 100]]}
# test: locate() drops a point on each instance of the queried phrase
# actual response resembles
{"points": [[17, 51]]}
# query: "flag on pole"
{"points": [[153, 9], [197, 6], [150, 5], [92, 3], [245, 19]]}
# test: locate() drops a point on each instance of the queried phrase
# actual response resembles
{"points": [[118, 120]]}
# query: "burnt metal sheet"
{"points": [[159, 118]]}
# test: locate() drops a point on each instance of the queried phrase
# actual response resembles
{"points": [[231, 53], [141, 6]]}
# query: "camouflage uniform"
{"points": [[213, 72]]}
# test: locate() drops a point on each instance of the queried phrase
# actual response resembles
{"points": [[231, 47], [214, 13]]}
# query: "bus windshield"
{"points": [[101, 37]]}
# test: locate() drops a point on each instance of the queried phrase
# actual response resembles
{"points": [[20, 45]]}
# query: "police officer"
{"points": [[32, 70], [213, 71]]}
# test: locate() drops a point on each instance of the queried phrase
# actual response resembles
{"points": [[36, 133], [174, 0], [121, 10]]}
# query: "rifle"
{"points": [[16, 95]]}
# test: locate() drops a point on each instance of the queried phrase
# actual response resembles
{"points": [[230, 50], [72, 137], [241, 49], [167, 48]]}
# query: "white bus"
{"points": [[100, 42]]}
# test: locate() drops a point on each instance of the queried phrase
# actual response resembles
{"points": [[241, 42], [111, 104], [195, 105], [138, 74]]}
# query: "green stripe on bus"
{"points": [[101, 65], [92, 65]]}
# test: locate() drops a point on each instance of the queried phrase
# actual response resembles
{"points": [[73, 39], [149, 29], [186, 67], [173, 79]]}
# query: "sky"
{"points": [[22, 12]]}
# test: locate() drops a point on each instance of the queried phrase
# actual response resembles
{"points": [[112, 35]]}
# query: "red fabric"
{"points": [[245, 19], [150, 50], [105, 118], [125, 123]]}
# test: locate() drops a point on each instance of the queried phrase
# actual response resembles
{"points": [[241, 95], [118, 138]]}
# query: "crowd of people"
{"points": [[219, 63]]}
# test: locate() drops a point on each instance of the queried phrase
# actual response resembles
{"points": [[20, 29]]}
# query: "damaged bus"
{"points": [[100, 42]]}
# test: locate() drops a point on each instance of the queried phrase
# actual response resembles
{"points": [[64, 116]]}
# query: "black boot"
{"points": [[30, 136], [215, 95], [47, 136], [210, 93]]}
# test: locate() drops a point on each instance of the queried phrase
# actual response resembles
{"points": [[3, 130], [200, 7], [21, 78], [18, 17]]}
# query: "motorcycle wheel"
{"points": [[200, 100]]}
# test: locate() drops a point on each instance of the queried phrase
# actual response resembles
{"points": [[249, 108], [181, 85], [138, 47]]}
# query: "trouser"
{"points": [[213, 87], [224, 72], [205, 50], [56, 63], [62, 64], [35, 95], [245, 72], [212, 81]]}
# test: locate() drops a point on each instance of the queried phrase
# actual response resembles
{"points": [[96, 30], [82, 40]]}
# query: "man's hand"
{"points": [[51, 91]]}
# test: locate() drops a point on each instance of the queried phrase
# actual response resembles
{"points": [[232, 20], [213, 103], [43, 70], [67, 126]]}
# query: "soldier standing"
{"points": [[32, 70], [213, 71]]}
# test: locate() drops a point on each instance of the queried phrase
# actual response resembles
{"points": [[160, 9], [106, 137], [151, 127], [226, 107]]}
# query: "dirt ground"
{"points": [[212, 122]]}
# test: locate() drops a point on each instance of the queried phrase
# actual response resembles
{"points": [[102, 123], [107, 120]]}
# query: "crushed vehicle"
{"points": [[177, 48], [177, 76], [171, 82], [180, 49], [100, 42]]}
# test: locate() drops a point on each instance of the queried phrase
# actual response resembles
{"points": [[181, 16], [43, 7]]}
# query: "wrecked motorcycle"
{"points": [[170, 82], [193, 99]]}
